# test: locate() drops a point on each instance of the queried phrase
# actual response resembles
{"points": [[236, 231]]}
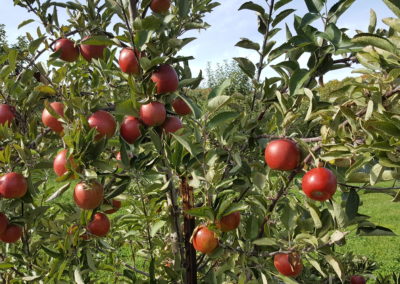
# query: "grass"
{"points": [[383, 249]]}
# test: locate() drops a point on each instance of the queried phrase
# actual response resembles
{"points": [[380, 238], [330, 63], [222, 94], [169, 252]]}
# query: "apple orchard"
{"points": [[117, 168]]}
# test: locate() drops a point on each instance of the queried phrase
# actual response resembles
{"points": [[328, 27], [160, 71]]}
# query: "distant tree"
{"points": [[217, 74]]}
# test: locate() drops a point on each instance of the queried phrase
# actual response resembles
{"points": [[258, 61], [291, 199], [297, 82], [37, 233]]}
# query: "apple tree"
{"points": [[114, 170]]}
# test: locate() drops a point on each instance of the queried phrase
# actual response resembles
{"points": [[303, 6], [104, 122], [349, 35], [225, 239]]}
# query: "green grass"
{"points": [[384, 249]]}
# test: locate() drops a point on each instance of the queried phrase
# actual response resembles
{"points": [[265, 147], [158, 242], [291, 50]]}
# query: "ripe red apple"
{"points": [[7, 114], [205, 240], [100, 225], [288, 264], [52, 122], [60, 164], [130, 129], [181, 107], [12, 234], [3, 223], [129, 61], [229, 222], [153, 114], [69, 52], [88, 195], [282, 154], [166, 79], [319, 184], [160, 6], [13, 185], [91, 51], [104, 122], [357, 279], [116, 204], [172, 124]]}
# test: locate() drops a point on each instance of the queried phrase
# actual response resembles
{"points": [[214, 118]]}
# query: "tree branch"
{"points": [[368, 188]]}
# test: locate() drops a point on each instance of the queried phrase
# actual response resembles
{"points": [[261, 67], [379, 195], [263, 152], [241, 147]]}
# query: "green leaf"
{"points": [[338, 9], [222, 118], [217, 102], [252, 6], [335, 265], [371, 230], [185, 143], [281, 16], [393, 23], [4, 265], [247, 66], [315, 6], [297, 80], [156, 227], [281, 3], [192, 105], [372, 21], [366, 39], [77, 276], [248, 44], [265, 242], [34, 45], [219, 90], [393, 5], [352, 204], [24, 23], [184, 7], [202, 212], [98, 40], [58, 192], [155, 138]]}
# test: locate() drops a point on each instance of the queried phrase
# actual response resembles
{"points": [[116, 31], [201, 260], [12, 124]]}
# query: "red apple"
{"points": [[91, 51], [172, 124], [7, 114], [104, 122], [69, 52], [116, 204], [357, 279], [319, 184], [181, 107], [282, 154], [160, 6], [100, 225], [130, 129], [88, 195], [129, 61], [288, 264], [166, 79], [3, 223], [51, 121], [205, 240], [13, 185], [12, 234], [153, 114], [229, 222], [60, 164]]}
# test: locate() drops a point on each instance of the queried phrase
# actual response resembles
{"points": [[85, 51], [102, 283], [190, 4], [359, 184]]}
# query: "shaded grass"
{"points": [[382, 249]]}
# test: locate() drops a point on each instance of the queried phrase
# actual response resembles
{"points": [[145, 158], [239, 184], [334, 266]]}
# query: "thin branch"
{"points": [[306, 140], [136, 270], [348, 60]]}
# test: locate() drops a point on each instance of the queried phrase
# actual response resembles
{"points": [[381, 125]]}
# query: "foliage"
{"points": [[169, 183]]}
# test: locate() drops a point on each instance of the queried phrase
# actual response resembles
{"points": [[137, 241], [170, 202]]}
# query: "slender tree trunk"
{"points": [[189, 226]]}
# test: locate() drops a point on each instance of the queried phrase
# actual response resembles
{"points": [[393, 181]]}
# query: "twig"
{"points": [[348, 60], [368, 188], [136, 270], [307, 140]]}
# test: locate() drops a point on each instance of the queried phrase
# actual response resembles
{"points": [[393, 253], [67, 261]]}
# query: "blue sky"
{"points": [[228, 25]]}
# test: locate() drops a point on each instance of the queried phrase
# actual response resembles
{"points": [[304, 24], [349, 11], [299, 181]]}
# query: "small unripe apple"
{"points": [[104, 122], [181, 107], [319, 184], [153, 114], [229, 222], [166, 79], [172, 124], [51, 121], [282, 154], [69, 52], [90, 52], [7, 114], [130, 129], [160, 6], [205, 240], [100, 225]]}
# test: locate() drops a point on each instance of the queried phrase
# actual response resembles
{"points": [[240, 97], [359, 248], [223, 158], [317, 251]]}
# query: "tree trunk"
{"points": [[189, 226]]}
